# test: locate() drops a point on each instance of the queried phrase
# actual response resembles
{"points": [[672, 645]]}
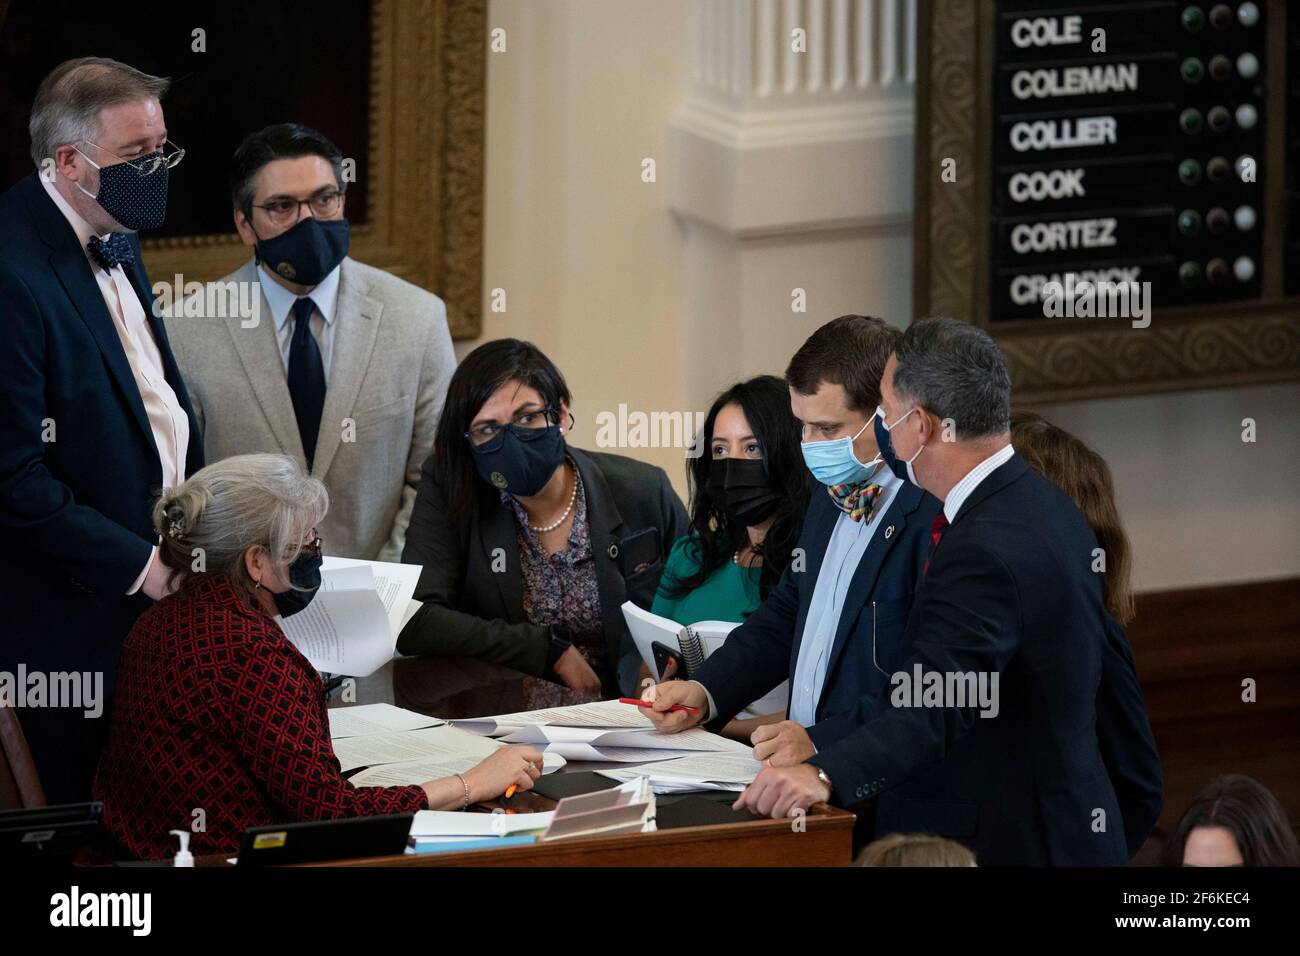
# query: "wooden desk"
{"points": [[826, 841], [455, 688]]}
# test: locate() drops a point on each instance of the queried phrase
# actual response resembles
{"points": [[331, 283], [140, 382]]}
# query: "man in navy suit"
{"points": [[94, 418], [834, 623], [1008, 603]]}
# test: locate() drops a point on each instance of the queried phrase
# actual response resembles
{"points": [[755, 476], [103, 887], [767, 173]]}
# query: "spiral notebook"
{"points": [[694, 642]]}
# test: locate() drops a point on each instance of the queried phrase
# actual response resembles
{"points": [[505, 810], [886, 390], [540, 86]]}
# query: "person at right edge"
{"points": [[1008, 594]]}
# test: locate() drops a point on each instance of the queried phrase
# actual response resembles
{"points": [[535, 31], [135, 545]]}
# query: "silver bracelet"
{"points": [[466, 786]]}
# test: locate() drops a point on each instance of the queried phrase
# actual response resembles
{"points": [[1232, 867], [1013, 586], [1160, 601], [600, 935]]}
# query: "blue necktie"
{"points": [[306, 377], [108, 254]]}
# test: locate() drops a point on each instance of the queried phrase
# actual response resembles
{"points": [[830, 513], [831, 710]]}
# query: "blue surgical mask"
{"points": [[903, 469], [832, 462]]}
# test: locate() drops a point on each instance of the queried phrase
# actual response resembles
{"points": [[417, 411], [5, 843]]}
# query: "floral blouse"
{"points": [[561, 588]]}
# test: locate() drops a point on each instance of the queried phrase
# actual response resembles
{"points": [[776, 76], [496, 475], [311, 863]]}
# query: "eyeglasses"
{"points": [[313, 547], [527, 426], [144, 165], [284, 210]]}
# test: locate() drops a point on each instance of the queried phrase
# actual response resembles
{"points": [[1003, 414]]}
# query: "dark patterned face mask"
{"points": [[136, 201], [308, 252], [304, 575]]}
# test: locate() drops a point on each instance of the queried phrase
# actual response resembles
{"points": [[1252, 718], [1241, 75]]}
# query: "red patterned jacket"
{"points": [[216, 711]]}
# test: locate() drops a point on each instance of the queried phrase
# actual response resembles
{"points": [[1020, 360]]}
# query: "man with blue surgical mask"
{"points": [[834, 623], [1008, 597]]}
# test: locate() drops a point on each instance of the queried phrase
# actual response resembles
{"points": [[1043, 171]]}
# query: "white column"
{"points": [[791, 168]]}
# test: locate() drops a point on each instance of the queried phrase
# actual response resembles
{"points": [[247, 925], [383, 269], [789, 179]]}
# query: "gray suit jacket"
{"points": [[391, 363]]}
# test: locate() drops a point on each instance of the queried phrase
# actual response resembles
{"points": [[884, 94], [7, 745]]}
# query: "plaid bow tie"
{"points": [[108, 254], [857, 499]]}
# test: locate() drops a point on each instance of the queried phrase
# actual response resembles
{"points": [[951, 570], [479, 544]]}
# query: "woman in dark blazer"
{"points": [[530, 546]]}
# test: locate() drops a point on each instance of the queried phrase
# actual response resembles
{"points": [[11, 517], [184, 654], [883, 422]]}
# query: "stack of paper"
{"points": [[446, 826], [605, 731], [375, 719], [401, 757], [602, 715], [619, 746], [629, 808], [718, 770]]}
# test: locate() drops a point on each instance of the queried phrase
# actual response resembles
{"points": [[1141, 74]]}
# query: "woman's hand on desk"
{"points": [[575, 673], [517, 765], [487, 780], [671, 693]]}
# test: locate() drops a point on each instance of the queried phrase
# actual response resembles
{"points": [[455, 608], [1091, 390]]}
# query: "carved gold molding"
{"points": [[1055, 360], [425, 168]]}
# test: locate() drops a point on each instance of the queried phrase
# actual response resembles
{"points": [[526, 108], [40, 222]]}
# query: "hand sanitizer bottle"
{"points": [[184, 857]]}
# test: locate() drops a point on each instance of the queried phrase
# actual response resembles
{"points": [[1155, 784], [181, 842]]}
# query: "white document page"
{"points": [[375, 719], [394, 583], [698, 771], [431, 768], [342, 632], [605, 714], [693, 739], [431, 824], [370, 750]]}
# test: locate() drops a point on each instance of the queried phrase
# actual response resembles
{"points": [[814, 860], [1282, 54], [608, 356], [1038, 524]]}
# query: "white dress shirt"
{"points": [[324, 296], [962, 490], [167, 419]]}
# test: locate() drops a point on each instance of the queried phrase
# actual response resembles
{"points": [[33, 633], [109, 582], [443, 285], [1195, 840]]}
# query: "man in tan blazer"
{"points": [[339, 364]]}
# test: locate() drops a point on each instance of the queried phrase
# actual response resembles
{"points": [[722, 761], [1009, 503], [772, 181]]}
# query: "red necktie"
{"points": [[937, 528]]}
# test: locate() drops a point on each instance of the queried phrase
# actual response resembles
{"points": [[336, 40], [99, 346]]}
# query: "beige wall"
{"points": [[588, 254], [599, 272]]}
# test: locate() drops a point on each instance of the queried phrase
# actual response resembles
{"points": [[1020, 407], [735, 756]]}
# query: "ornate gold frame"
{"points": [[1184, 348], [425, 216]]}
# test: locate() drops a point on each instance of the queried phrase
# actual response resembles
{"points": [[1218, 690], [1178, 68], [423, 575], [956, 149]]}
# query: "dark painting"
{"points": [[264, 62]]}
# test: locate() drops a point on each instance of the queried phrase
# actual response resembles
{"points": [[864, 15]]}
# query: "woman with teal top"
{"points": [[748, 495]]}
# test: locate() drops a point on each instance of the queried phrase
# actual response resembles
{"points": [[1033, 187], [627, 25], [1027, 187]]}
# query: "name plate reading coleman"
{"points": [[1127, 143]]}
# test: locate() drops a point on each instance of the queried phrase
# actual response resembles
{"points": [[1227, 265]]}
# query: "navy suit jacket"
{"points": [[75, 509], [763, 651], [1010, 591]]}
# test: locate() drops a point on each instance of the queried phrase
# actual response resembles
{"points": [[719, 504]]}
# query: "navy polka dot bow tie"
{"points": [[108, 254]]}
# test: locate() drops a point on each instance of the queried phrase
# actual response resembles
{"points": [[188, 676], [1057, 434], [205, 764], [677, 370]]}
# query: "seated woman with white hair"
{"points": [[215, 712]]}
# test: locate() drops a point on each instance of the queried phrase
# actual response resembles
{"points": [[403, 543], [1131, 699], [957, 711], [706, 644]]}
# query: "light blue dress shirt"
{"points": [[848, 543]]}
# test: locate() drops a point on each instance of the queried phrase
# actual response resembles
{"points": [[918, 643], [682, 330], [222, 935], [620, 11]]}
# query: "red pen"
{"points": [[651, 703]]}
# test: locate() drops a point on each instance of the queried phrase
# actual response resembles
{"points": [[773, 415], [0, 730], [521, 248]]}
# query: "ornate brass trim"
{"points": [[1055, 360]]}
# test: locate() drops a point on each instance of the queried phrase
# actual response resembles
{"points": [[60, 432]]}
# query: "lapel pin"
{"points": [[889, 532], [613, 551]]}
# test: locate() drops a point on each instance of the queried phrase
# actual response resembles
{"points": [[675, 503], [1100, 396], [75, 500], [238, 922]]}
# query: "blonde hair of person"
{"points": [[914, 849], [208, 522]]}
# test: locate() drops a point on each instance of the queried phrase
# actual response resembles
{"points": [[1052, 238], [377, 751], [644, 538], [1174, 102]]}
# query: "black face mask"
{"points": [[741, 488], [308, 252], [887, 450], [303, 573], [522, 467], [137, 202]]}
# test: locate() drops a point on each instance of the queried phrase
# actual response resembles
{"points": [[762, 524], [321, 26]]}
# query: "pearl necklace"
{"points": [[562, 518]]}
